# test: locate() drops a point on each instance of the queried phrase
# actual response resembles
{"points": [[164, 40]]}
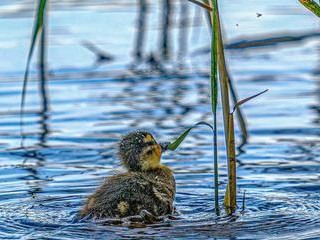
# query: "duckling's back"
{"points": [[129, 193]]}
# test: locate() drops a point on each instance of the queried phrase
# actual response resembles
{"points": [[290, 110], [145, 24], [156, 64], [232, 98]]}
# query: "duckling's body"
{"points": [[147, 185], [129, 193]]}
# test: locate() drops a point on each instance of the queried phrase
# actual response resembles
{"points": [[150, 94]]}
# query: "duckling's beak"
{"points": [[164, 146]]}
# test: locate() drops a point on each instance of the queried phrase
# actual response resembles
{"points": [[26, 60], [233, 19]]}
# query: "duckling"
{"points": [[147, 186]]}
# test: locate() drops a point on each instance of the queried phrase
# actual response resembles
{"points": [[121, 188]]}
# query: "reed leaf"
{"points": [[201, 4], [173, 145], [311, 5], [38, 24], [238, 104], [240, 116], [176, 143]]}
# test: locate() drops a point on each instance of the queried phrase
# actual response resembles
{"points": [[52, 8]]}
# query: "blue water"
{"points": [[71, 147]]}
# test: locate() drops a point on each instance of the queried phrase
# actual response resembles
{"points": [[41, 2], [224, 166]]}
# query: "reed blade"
{"points": [[238, 104], [312, 6], [240, 115], [201, 4], [176, 143], [38, 24]]}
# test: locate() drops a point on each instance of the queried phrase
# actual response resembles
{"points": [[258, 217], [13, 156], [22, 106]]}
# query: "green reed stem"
{"points": [[214, 104]]}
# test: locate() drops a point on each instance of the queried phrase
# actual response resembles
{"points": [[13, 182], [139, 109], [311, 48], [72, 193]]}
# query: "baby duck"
{"points": [[146, 187]]}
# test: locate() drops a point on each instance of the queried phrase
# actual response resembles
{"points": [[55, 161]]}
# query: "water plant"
{"points": [[312, 5], [220, 76]]}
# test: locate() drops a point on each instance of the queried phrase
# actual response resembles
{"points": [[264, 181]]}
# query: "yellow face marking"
{"points": [[157, 151], [151, 153], [148, 138], [151, 157]]}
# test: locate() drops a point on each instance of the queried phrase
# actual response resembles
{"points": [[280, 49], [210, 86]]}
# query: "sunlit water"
{"points": [[71, 147]]}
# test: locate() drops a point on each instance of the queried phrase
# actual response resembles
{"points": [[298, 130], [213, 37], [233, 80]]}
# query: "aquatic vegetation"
{"points": [[312, 5], [230, 198], [174, 145], [220, 76]]}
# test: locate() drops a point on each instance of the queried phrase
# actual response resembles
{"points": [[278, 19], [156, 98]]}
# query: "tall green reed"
{"points": [[220, 76]]}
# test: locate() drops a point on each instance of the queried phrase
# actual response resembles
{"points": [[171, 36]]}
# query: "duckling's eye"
{"points": [[149, 152], [148, 144]]}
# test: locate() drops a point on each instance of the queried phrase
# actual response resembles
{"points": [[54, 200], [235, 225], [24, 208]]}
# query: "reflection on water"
{"points": [[71, 139], [166, 29]]}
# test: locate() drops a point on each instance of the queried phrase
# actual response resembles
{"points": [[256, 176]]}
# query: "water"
{"points": [[71, 147]]}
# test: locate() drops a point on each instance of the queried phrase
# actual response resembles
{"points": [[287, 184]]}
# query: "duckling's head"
{"points": [[138, 151]]}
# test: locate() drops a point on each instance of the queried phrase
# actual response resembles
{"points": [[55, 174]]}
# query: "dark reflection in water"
{"points": [[184, 29], [33, 179], [43, 88], [165, 47], [101, 56], [141, 31]]}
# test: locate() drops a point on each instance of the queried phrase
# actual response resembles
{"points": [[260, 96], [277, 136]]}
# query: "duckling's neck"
{"points": [[162, 168], [159, 167]]}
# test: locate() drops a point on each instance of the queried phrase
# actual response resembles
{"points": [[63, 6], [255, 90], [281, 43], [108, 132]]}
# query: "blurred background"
{"points": [[115, 66]]}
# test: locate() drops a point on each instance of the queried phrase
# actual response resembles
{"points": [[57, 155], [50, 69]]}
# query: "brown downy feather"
{"points": [[129, 193]]}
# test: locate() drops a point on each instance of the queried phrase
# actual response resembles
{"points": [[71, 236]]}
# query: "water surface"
{"points": [[71, 142]]}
